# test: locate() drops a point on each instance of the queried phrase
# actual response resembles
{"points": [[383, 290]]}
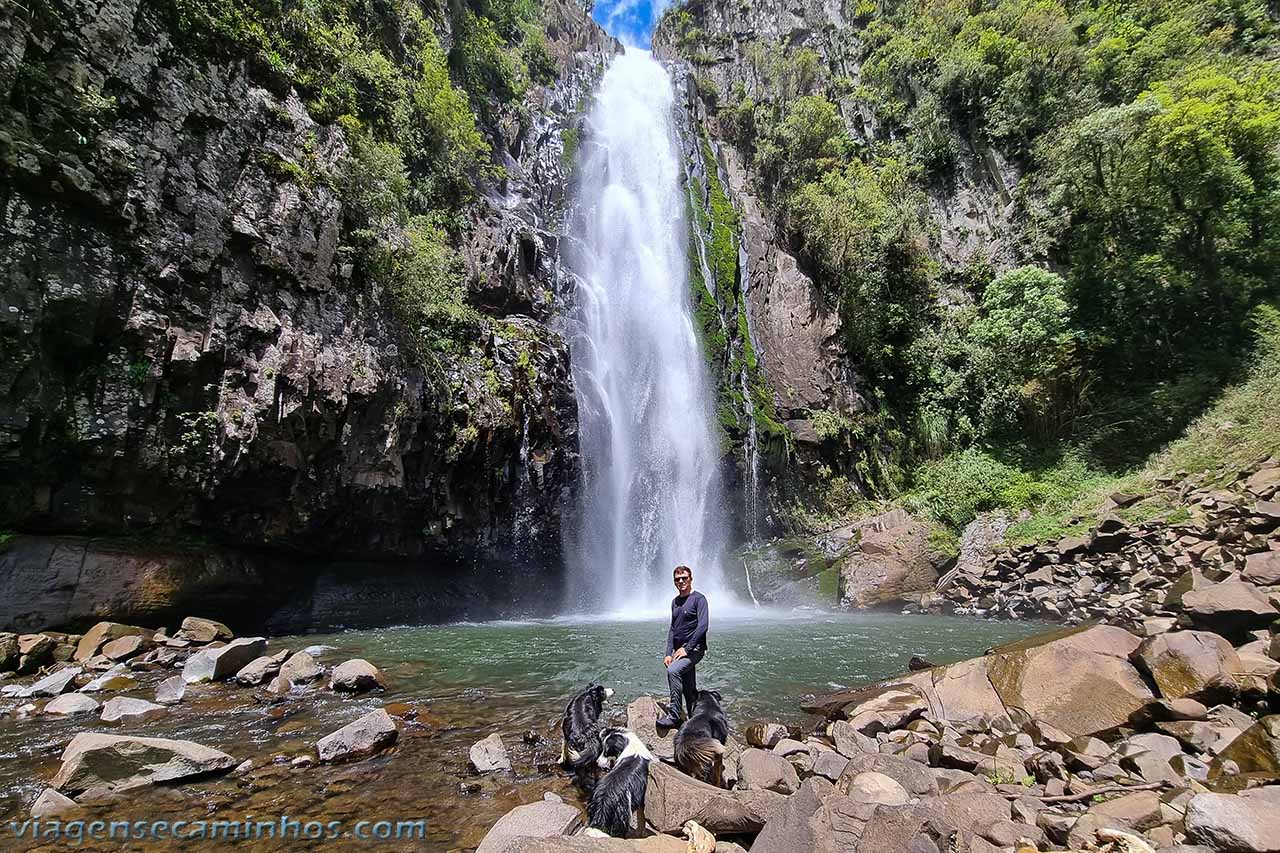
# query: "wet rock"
{"points": [[51, 804], [115, 678], [1193, 664], [758, 768], [765, 735], [300, 668], [171, 690], [672, 799], [122, 709], [371, 733], [197, 630], [258, 670], [489, 755], [119, 762], [1255, 751], [356, 676], [54, 684], [123, 648], [219, 664], [70, 704], [104, 632], [545, 819], [1232, 823]]}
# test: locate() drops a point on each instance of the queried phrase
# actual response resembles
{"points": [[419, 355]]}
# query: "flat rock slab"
{"points": [[1234, 823], [545, 819], [104, 632], [55, 684], [197, 630], [489, 755], [69, 704], [371, 733], [122, 709], [121, 762], [673, 798]]}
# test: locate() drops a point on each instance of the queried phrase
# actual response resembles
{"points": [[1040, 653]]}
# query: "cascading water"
{"points": [[652, 497]]}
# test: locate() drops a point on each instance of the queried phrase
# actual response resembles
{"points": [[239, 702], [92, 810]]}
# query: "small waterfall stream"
{"points": [[652, 495]]}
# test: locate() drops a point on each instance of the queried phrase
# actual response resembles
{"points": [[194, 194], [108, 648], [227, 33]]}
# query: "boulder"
{"points": [[642, 718], [1138, 811], [829, 765], [197, 630], [8, 652], [769, 771], [1078, 680], [1232, 823], [1262, 568], [543, 819], [877, 788], [489, 754], [918, 827], [54, 684], [892, 561], [356, 676], [222, 662], [301, 668], [1193, 664], [123, 648], [120, 762], [889, 709], [918, 779], [1256, 751], [672, 799], [171, 690], [104, 632], [816, 819], [115, 678], [849, 741], [51, 804], [765, 735], [258, 670], [70, 704], [371, 733], [121, 709], [1232, 608]]}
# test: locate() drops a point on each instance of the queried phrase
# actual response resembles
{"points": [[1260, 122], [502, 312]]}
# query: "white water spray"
{"points": [[652, 496]]}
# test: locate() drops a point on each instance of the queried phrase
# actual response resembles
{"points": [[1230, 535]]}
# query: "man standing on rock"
{"points": [[686, 644]]}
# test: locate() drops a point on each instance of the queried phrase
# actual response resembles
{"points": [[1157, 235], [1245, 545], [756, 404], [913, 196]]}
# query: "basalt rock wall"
{"points": [[187, 353]]}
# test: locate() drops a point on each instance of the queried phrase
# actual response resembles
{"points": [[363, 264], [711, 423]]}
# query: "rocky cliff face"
{"points": [[189, 353]]}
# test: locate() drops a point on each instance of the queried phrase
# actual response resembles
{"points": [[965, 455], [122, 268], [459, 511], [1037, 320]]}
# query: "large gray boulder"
{"points": [[371, 733], [544, 819], [1255, 751], [219, 664], [171, 690], [1232, 823], [815, 819], [758, 768], [1232, 608], [918, 779], [258, 670], [1193, 664], [104, 632], [119, 762], [673, 798], [889, 563], [300, 668], [197, 630], [70, 704], [356, 676]]}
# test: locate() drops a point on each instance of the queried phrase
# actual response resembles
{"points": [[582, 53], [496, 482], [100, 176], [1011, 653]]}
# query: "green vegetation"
{"points": [[1146, 139]]}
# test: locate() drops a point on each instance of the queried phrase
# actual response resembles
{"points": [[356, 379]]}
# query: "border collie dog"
{"points": [[580, 729], [617, 803], [699, 744]]}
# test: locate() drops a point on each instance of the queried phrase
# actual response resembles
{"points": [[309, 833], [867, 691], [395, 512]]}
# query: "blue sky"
{"points": [[631, 21]]}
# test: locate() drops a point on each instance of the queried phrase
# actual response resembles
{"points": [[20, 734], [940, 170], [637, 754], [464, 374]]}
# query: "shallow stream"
{"points": [[460, 683]]}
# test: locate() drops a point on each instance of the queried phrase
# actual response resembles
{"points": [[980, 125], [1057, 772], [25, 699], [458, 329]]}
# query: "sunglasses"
{"points": [[683, 579]]}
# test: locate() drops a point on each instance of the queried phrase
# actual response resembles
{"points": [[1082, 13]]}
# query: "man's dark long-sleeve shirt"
{"points": [[688, 624]]}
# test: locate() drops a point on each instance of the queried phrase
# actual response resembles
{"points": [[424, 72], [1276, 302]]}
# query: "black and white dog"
{"points": [[580, 728], [617, 803], [699, 746]]}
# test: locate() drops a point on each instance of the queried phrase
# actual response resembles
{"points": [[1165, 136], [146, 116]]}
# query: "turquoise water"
{"points": [[452, 685]]}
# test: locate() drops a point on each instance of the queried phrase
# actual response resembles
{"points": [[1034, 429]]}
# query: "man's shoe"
{"points": [[667, 722]]}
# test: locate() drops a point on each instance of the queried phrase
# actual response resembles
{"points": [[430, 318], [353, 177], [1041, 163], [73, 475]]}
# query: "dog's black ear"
{"points": [[716, 693]]}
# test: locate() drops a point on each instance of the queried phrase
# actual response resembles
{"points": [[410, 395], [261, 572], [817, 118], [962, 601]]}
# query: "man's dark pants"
{"points": [[682, 680]]}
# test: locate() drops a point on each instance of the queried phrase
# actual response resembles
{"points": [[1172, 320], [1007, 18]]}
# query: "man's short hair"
{"points": [[679, 569]]}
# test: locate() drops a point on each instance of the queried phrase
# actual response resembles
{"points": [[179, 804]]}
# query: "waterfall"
{"points": [[651, 497]]}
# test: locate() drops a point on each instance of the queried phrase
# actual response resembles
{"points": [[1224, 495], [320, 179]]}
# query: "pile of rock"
{"points": [[1090, 738], [1218, 569]]}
